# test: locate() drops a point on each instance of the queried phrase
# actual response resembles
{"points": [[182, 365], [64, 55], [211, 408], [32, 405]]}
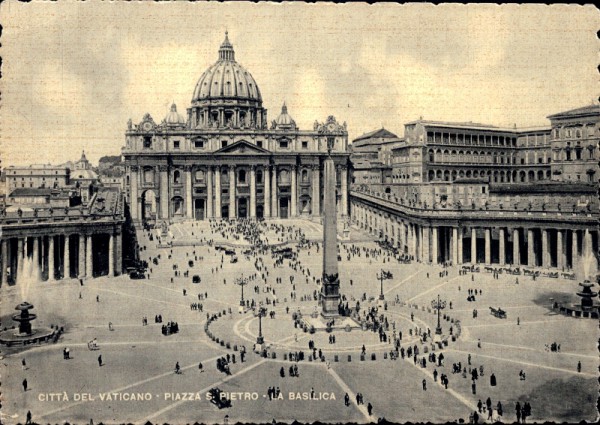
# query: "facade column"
{"points": [[51, 271], [111, 255], [67, 258], [209, 192], [81, 271], [3, 261], [473, 245], [188, 192], [434, 245], [502, 248], [294, 193], [574, 250], [516, 248], [425, 232], [164, 192], [344, 187], [530, 249], [560, 250], [89, 264], [267, 191], [274, 200], [232, 209], [133, 192], [413, 238], [252, 191], [218, 191], [455, 245], [459, 252], [488, 246], [316, 192], [545, 251]]}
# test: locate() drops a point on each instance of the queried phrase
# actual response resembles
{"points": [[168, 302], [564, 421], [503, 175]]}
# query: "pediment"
{"points": [[244, 148]]}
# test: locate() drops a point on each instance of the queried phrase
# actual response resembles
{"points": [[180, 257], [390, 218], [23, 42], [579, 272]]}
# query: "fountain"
{"points": [[587, 303], [25, 334], [586, 308], [24, 318]]}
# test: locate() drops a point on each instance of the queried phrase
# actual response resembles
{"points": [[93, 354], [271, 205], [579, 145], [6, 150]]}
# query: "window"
{"points": [[147, 142], [304, 176], [283, 144], [176, 176], [259, 176], [242, 176], [223, 143], [176, 144], [482, 189], [304, 145], [199, 144], [199, 176], [259, 143]]}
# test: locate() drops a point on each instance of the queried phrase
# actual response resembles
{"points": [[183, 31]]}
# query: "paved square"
{"points": [[138, 361]]}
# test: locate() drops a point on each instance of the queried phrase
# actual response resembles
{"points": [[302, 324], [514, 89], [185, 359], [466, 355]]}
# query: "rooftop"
{"points": [[583, 111]]}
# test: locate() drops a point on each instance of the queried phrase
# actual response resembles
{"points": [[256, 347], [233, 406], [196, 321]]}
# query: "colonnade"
{"points": [[525, 244], [52, 257]]}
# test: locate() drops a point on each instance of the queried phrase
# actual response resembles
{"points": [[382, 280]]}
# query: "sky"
{"points": [[74, 72]]}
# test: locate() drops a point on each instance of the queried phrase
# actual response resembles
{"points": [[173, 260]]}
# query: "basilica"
{"points": [[224, 159]]}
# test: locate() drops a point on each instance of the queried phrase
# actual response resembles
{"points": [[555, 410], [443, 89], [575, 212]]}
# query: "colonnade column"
{"points": [[164, 191], [133, 191], [574, 249], [474, 246], [252, 191], [413, 237], [218, 191], [3, 261], [560, 250], [232, 209], [51, 271], [545, 251], [209, 192], [111, 255], [459, 250], [89, 265], [530, 249], [294, 193], [502, 248], [119, 254], [188, 192], [516, 248], [19, 257], [434, 245], [267, 192], [36, 257], [425, 246], [81, 271], [67, 258], [274, 200], [316, 192], [344, 184], [488, 246]]}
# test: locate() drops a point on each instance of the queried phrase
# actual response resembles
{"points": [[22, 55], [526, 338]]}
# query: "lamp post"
{"points": [[438, 305], [260, 340], [242, 281], [381, 276]]}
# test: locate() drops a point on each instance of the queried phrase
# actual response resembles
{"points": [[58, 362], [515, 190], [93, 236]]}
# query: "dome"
{"points": [[226, 79], [173, 117], [284, 119]]}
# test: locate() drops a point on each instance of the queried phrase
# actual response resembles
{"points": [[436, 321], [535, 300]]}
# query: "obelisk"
{"points": [[330, 289]]}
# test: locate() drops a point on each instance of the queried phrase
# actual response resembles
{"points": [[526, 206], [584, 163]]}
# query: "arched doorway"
{"points": [[283, 207], [199, 209], [242, 209], [260, 212], [148, 205]]}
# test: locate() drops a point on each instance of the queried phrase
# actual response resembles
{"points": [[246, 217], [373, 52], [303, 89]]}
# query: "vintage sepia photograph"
{"points": [[281, 213]]}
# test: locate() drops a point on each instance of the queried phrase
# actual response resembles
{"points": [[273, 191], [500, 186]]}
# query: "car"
{"points": [[137, 274], [196, 279], [217, 400], [229, 252]]}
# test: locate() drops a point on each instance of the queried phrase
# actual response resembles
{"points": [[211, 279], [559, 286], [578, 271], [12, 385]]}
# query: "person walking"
{"points": [[370, 408], [23, 364], [347, 400], [24, 384], [424, 385], [579, 367], [100, 360], [518, 412], [28, 418]]}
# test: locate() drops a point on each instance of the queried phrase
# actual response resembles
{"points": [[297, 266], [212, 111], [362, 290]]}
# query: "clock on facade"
{"points": [[147, 126]]}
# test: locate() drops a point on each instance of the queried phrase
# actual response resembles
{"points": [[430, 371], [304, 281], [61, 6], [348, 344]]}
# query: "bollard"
{"points": [[273, 355], [335, 358], [310, 358], [362, 357], [222, 343], [373, 356], [228, 345], [349, 358], [385, 355]]}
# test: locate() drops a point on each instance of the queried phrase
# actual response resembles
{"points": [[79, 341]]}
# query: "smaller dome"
{"points": [[173, 117], [284, 119]]}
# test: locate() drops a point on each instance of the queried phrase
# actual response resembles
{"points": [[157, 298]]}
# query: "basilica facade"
{"points": [[224, 159]]}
